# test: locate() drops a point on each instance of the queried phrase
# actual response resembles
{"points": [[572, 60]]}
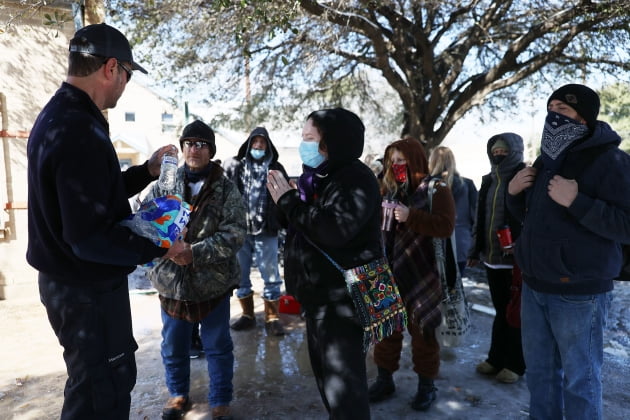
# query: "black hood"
{"points": [[343, 133], [271, 153], [514, 142]]}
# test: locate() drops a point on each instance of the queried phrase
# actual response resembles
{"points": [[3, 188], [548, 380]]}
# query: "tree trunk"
{"points": [[94, 12]]}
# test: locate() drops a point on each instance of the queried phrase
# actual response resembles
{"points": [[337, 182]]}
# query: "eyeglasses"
{"points": [[127, 70], [197, 144]]}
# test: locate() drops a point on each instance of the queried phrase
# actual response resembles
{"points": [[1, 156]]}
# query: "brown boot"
{"points": [[247, 321], [273, 326], [176, 408], [221, 412]]}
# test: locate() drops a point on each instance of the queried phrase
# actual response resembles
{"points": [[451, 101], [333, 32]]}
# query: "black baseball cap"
{"points": [[104, 41]]}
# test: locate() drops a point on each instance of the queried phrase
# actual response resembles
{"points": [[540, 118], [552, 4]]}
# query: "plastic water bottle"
{"points": [[168, 173]]}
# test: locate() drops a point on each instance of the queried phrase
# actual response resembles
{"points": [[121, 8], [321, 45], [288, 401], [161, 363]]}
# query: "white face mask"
{"points": [[309, 153]]}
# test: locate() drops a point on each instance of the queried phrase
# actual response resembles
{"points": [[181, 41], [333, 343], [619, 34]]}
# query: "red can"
{"points": [[505, 237]]}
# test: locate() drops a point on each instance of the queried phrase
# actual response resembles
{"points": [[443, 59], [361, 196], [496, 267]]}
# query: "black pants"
{"points": [[94, 328], [335, 340], [506, 350]]}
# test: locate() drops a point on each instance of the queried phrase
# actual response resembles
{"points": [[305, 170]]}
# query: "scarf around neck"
{"points": [[254, 179], [196, 176], [309, 181]]}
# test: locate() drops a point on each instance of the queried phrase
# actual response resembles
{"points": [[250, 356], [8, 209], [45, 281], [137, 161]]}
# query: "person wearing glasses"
{"points": [[77, 194], [249, 170], [195, 287]]}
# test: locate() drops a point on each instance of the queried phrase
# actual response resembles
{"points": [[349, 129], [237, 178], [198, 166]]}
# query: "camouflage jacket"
{"points": [[216, 231]]}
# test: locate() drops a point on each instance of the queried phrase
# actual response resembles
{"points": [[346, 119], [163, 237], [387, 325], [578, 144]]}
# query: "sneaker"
{"points": [[175, 408], [196, 348], [195, 352], [221, 412], [507, 376], [383, 388], [486, 368]]}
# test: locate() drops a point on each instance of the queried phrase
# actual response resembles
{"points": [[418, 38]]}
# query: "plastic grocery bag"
{"points": [[161, 220]]}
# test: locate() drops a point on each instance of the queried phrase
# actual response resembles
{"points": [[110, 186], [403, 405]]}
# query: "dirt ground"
{"points": [[272, 375]]}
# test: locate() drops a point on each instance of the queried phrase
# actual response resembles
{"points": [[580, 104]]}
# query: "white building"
{"points": [[32, 66]]}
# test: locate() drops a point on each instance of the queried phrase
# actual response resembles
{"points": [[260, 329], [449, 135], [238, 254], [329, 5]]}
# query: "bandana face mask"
{"points": [[400, 172], [559, 133]]}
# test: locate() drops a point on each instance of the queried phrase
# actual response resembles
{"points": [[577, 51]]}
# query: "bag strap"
{"points": [[328, 257], [438, 243]]}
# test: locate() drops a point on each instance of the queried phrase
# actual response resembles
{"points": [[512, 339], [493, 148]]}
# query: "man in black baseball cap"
{"points": [[104, 41], [76, 197]]}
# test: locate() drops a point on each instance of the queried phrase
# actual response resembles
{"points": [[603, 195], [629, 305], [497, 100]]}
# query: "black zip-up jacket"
{"points": [[492, 212], [77, 195]]}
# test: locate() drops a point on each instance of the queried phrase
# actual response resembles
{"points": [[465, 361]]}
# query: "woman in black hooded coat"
{"points": [[337, 207]]}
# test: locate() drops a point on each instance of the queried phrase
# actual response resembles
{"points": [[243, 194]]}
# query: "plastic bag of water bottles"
{"points": [[161, 220]]}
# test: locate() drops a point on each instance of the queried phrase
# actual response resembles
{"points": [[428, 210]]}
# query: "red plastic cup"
{"points": [[505, 237]]}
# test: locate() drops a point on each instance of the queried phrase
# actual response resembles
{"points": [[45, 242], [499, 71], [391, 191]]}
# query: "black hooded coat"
{"points": [[234, 168], [343, 218]]}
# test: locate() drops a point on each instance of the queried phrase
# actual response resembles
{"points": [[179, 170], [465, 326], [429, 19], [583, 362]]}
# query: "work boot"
{"points": [[384, 386], [273, 326], [426, 394], [176, 408], [221, 412], [247, 321]]}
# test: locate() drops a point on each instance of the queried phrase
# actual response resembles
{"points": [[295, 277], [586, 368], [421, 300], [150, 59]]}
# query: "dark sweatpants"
{"points": [[506, 350], [94, 328], [335, 344]]}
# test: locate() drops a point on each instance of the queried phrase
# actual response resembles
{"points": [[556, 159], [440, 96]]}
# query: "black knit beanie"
{"points": [[200, 131], [581, 98]]}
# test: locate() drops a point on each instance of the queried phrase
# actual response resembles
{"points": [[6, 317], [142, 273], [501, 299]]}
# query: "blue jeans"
{"points": [[564, 350], [217, 345], [264, 248]]}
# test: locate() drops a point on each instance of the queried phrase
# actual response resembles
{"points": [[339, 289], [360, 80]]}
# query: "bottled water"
{"points": [[168, 173]]}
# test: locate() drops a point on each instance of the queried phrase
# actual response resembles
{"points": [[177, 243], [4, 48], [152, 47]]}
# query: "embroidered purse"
{"points": [[376, 298]]}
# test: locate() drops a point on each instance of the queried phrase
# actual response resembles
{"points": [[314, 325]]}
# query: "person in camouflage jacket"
{"points": [[195, 286]]}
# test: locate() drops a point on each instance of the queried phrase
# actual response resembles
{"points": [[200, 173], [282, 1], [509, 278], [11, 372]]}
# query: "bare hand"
{"points": [[180, 253], [523, 179], [563, 191], [471, 262], [278, 185], [401, 213], [155, 161]]}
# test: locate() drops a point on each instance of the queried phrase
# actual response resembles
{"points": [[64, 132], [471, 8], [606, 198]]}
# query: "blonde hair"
{"points": [[442, 164]]}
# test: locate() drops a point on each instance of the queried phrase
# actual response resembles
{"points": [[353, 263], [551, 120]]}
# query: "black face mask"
{"points": [[498, 159]]}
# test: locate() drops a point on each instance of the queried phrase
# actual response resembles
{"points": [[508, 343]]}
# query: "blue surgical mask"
{"points": [[309, 153], [257, 153]]}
